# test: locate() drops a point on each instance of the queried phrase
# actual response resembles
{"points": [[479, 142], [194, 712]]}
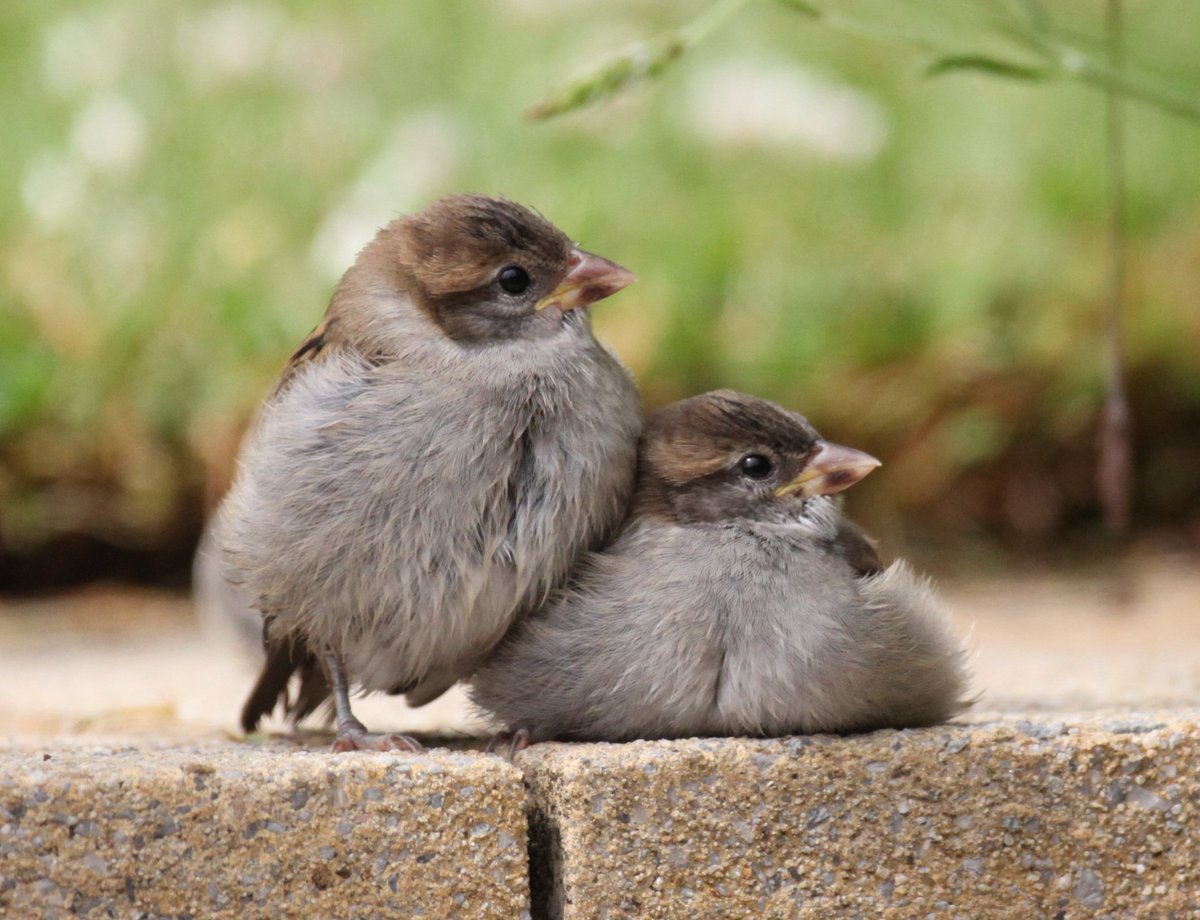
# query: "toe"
{"points": [[403, 743], [365, 741]]}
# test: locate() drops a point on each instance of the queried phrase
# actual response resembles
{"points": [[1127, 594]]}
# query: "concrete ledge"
{"points": [[1053, 816], [1008, 819], [227, 830]]}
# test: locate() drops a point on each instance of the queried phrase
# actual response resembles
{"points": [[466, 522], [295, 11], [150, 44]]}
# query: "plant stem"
{"points": [[1134, 86], [646, 61], [1113, 473], [1025, 25]]}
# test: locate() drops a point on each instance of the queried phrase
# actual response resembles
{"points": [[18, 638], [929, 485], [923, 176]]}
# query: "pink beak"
{"points": [[589, 278]]}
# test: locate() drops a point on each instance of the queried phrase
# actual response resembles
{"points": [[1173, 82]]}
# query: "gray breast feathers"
{"points": [[407, 521]]}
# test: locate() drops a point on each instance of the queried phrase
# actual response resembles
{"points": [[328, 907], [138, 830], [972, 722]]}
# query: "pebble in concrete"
{"points": [[995, 820], [237, 831]]}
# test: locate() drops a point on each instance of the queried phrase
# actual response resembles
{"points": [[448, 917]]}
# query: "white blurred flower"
{"points": [[230, 41], [124, 252], [52, 190], [83, 53], [419, 158], [778, 105], [109, 133], [313, 58]]}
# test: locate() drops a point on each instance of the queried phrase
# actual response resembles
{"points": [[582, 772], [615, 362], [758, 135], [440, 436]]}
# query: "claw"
{"points": [[351, 739], [514, 742]]}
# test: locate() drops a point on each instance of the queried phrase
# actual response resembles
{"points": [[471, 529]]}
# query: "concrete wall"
{"points": [[1053, 816]]}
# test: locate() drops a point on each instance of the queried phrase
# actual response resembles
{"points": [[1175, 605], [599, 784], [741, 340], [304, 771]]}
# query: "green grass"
{"points": [[937, 303]]}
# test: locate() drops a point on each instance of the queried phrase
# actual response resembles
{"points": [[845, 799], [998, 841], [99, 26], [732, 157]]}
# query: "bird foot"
{"points": [[511, 743], [354, 739]]}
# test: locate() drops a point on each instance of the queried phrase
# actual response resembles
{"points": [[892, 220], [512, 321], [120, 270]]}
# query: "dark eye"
{"points": [[755, 466], [513, 279]]}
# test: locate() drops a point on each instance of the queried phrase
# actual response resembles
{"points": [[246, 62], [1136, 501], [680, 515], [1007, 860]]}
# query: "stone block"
{"points": [[1003, 819], [229, 830]]}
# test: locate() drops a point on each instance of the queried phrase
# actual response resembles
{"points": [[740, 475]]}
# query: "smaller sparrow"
{"points": [[736, 600]]}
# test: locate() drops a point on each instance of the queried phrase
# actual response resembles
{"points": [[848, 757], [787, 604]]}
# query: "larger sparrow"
{"points": [[736, 601], [436, 455]]}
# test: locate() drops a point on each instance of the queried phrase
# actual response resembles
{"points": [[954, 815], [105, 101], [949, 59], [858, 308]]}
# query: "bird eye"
{"points": [[755, 466], [513, 279]]}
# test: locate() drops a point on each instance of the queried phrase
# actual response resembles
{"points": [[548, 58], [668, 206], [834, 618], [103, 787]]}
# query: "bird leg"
{"points": [[352, 735]]}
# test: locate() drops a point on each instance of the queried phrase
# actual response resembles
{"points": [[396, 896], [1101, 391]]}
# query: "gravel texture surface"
{"points": [[999, 819], [225, 830]]}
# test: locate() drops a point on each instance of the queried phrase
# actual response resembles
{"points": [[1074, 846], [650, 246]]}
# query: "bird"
{"points": [[735, 600], [432, 460]]}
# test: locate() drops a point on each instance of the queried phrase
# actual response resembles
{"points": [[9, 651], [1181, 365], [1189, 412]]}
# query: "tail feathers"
{"points": [[285, 658], [314, 690]]}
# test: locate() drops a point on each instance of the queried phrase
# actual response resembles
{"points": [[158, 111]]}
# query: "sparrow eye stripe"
{"points": [[755, 466], [513, 279]]}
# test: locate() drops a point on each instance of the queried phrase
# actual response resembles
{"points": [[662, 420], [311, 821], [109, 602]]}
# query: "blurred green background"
{"points": [[918, 265]]}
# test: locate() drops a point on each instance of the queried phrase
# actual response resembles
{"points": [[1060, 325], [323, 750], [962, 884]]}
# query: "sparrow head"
{"points": [[725, 455], [487, 270]]}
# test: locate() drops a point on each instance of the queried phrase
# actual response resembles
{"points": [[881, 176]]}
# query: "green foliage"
{"points": [[954, 63], [180, 184], [643, 62], [941, 29]]}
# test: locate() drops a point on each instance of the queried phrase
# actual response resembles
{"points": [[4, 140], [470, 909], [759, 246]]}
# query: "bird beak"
{"points": [[829, 469], [588, 279]]}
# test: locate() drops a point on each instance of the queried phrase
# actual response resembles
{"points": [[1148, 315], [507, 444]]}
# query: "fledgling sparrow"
{"points": [[736, 600], [434, 458]]}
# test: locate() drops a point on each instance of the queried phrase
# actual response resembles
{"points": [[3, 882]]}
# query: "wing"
{"points": [[287, 658], [331, 336], [313, 348], [852, 544]]}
